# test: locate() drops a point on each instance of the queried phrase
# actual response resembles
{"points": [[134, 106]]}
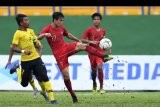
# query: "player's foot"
{"points": [[35, 91], [45, 96], [13, 69], [75, 100], [94, 88], [54, 102], [107, 58], [102, 91], [94, 91]]}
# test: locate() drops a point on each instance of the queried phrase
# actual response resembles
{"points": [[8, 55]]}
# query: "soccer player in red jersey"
{"points": [[61, 50], [93, 35]]}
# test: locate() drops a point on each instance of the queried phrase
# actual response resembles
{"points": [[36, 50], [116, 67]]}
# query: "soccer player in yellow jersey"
{"points": [[30, 59], [16, 68]]}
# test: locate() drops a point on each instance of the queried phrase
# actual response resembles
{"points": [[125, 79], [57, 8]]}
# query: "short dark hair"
{"points": [[19, 18], [57, 15], [96, 14]]}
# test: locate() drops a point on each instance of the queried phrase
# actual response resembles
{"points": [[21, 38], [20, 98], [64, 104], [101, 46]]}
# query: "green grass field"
{"points": [[86, 99]]}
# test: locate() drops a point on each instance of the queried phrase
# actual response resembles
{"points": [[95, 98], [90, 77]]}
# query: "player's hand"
{"points": [[27, 52], [47, 35], [94, 42], [8, 63], [109, 51]]}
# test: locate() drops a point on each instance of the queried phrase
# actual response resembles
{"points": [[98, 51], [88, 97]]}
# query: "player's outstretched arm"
{"points": [[72, 37], [41, 36], [10, 57], [89, 41]]}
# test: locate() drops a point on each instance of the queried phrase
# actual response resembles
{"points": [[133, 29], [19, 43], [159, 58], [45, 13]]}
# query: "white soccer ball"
{"points": [[105, 43]]}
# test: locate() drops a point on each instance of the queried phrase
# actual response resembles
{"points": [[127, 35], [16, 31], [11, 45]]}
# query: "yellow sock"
{"points": [[32, 83], [19, 74], [42, 87], [49, 90]]}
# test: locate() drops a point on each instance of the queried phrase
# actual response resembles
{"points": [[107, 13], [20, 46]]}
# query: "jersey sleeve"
{"points": [[16, 38], [44, 30], [86, 34]]}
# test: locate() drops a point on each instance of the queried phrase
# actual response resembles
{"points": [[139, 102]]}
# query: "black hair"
{"points": [[57, 15], [19, 18], [96, 14]]}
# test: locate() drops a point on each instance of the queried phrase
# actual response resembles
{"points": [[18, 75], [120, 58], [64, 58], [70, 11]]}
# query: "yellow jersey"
{"points": [[24, 40]]}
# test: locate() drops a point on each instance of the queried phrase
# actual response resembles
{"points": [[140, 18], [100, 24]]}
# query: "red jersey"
{"points": [[57, 39], [94, 35]]}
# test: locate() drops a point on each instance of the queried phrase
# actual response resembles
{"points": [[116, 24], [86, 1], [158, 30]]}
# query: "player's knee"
{"points": [[66, 77], [44, 78], [99, 66]]}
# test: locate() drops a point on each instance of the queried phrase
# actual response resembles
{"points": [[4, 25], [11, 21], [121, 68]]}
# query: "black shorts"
{"points": [[38, 68]]}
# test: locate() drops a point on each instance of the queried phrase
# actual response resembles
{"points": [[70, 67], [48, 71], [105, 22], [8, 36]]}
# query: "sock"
{"points": [[19, 74], [49, 90], [94, 80], [100, 77], [94, 51], [32, 83], [42, 87], [69, 86]]}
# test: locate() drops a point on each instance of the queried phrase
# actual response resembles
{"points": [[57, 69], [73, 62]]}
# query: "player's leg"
{"points": [[23, 76], [80, 46], [67, 81], [94, 75], [100, 77], [26, 68], [18, 70], [35, 90], [93, 72], [99, 63], [43, 90], [63, 64], [40, 71]]}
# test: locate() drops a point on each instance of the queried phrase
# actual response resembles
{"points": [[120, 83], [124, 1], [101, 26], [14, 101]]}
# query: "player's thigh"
{"points": [[80, 46], [99, 62], [40, 70], [63, 63], [26, 72]]}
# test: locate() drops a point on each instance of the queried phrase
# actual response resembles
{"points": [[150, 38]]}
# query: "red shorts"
{"points": [[94, 60], [63, 53]]}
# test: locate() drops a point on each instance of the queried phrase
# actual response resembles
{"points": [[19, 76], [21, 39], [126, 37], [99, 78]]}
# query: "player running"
{"points": [[30, 59], [16, 67]]}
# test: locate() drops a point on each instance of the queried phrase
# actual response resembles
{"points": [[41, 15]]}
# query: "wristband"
{"points": [[22, 51]]}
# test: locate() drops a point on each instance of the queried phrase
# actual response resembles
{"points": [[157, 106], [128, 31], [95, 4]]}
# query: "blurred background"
{"points": [[133, 30], [126, 26]]}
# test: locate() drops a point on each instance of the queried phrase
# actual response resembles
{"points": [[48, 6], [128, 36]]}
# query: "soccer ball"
{"points": [[105, 43]]}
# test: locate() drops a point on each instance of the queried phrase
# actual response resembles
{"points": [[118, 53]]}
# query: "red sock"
{"points": [[100, 77], [69, 87], [94, 51]]}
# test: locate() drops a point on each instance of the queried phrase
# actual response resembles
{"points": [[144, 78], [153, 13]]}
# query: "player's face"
{"points": [[25, 22], [96, 21], [59, 22]]}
